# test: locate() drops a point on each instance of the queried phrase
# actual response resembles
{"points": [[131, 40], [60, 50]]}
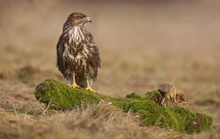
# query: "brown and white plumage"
{"points": [[77, 54]]}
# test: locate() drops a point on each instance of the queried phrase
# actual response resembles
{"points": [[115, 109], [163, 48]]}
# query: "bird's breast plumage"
{"points": [[74, 48]]}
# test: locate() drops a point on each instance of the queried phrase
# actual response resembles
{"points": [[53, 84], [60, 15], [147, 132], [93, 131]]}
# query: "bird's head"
{"points": [[77, 19]]}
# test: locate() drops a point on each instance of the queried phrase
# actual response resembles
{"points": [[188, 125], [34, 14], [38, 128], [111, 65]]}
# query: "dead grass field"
{"points": [[142, 45]]}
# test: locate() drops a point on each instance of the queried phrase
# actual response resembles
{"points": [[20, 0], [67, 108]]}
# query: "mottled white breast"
{"points": [[76, 40], [76, 35]]}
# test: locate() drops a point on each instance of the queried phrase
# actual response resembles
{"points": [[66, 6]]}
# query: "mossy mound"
{"points": [[62, 96]]}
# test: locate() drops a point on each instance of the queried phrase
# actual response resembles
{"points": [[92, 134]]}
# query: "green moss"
{"points": [[62, 96], [133, 95], [152, 95]]}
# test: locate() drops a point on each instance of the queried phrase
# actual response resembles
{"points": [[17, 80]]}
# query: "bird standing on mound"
{"points": [[77, 54]]}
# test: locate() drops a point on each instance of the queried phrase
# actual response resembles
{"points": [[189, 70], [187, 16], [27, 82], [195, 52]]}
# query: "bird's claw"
{"points": [[90, 89], [74, 85]]}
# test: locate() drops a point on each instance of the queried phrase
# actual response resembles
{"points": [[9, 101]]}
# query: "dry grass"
{"points": [[142, 45]]}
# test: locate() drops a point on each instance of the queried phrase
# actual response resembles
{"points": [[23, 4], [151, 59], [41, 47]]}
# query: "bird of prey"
{"points": [[78, 57]]}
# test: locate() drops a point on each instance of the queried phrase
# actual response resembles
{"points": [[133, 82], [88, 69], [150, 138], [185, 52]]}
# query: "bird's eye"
{"points": [[80, 17]]}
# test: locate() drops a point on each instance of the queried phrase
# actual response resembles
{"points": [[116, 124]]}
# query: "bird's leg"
{"points": [[74, 85], [88, 88]]}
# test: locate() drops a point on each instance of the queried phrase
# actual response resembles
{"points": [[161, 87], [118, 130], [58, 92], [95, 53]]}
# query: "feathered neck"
{"points": [[75, 33]]}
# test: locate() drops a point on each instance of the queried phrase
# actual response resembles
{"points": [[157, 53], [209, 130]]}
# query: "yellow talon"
{"points": [[74, 85], [90, 89]]}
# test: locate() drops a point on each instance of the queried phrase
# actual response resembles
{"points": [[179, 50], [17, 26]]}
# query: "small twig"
{"points": [[47, 107]]}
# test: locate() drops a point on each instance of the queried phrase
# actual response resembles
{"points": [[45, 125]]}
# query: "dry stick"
{"points": [[47, 107]]}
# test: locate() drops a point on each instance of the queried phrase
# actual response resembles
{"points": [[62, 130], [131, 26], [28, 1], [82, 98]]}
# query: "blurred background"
{"points": [[142, 43]]}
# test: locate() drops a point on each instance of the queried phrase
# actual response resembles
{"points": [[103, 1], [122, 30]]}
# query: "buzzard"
{"points": [[78, 57]]}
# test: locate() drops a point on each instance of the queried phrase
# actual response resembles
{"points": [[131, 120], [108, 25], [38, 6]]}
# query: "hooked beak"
{"points": [[87, 19]]}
